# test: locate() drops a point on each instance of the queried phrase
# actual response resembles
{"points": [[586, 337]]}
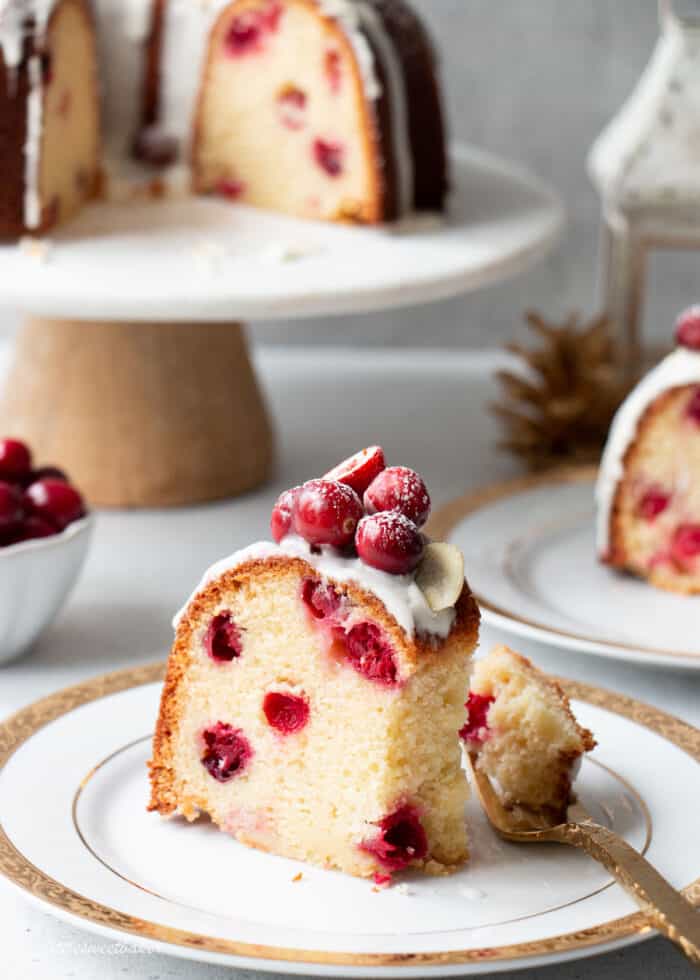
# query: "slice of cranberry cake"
{"points": [[325, 109], [648, 490], [523, 734], [313, 694]]}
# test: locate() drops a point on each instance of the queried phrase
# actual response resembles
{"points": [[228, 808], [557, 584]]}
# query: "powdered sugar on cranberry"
{"points": [[399, 593]]}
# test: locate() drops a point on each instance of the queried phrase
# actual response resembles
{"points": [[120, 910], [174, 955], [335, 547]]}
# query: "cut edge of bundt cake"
{"points": [[648, 487], [523, 734], [49, 104], [353, 685], [363, 138]]}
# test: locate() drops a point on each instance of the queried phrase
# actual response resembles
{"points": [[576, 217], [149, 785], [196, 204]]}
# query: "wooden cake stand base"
{"points": [[140, 414]]}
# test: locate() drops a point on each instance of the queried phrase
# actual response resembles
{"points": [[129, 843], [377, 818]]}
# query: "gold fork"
{"points": [[667, 910]]}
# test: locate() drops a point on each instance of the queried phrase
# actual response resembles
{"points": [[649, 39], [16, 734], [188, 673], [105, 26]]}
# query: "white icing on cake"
{"points": [[399, 593], [682, 367]]}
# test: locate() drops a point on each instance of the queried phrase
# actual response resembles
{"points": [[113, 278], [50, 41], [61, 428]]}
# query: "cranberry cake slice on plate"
{"points": [[325, 109], [316, 685], [648, 490], [523, 733]]}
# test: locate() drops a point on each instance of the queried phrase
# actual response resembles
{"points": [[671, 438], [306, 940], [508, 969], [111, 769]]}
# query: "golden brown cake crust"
{"points": [[417, 653]]}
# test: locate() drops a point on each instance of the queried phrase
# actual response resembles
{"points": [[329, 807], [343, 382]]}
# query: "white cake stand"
{"points": [[160, 405]]}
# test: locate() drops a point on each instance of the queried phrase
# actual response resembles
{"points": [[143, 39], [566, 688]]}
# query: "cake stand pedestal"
{"points": [[153, 414], [132, 369]]}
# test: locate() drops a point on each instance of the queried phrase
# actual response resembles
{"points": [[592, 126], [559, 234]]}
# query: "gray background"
{"points": [[533, 80]]}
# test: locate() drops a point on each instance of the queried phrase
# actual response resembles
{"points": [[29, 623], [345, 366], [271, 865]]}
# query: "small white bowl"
{"points": [[35, 580]]}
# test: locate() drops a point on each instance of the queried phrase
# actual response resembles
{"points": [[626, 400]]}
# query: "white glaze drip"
{"points": [[32, 146], [682, 367], [13, 17], [399, 593]]}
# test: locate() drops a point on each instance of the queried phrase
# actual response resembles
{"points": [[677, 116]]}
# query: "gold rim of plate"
{"points": [[14, 866], [444, 521]]}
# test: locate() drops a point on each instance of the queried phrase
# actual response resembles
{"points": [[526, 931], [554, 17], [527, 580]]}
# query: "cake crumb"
{"points": [[37, 249], [403, 889], [280, 253], [297, 877]]}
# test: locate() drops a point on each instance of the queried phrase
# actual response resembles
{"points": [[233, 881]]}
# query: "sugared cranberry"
{"points": [[281, 520], [688, 328], [35, 527], [286, 713], [223, 640], [56, 501], [11, 510], [227, 751], [371, 654], [401, 840], [693, 409], [154, 146], [402, 490], [332, 70], [685, 544], [653, 503], [476, 729], [291, 106], [327, 512], [359, 470], [329, 156], [15, 460], [390, 542], [230, 188], [320, 598]]}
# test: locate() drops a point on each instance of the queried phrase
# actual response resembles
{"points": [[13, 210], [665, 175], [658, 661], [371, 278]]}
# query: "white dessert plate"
{"points": [[530, 554], [91, 854], [193, 259]]}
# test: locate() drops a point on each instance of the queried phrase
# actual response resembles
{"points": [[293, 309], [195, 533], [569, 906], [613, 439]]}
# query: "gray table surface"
{"points": [[427, 410]]}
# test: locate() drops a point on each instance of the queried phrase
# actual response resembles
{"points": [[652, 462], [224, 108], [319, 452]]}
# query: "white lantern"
{"points": [[646, 167]]}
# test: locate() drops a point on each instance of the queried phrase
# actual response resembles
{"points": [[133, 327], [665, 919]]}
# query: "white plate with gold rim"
{"points": [[530, 554], [88, 852]]}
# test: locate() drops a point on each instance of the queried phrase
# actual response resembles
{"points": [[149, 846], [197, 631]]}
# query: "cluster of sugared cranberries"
{"points": [[360, 507], [34, 502]]}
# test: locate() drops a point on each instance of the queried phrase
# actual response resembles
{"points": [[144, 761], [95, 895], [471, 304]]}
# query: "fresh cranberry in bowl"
{"points": [[11, 510], [56, 501], [327, 512], [44, 538], [15, 460]]}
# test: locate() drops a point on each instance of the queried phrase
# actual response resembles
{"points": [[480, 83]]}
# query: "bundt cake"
{"points": [[326, 109], [648, 490], [49, 113], [316, 685], [522, 733]]}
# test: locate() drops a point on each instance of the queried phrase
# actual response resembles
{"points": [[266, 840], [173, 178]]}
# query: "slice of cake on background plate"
{"points": [[522, 733], [316, 685], [648, 490]]}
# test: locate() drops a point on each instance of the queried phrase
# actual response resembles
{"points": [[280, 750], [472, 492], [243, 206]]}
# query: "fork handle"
{"points": [[668, 910]]}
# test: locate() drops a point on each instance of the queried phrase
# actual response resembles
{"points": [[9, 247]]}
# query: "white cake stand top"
{"points": [[195, 259]]}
